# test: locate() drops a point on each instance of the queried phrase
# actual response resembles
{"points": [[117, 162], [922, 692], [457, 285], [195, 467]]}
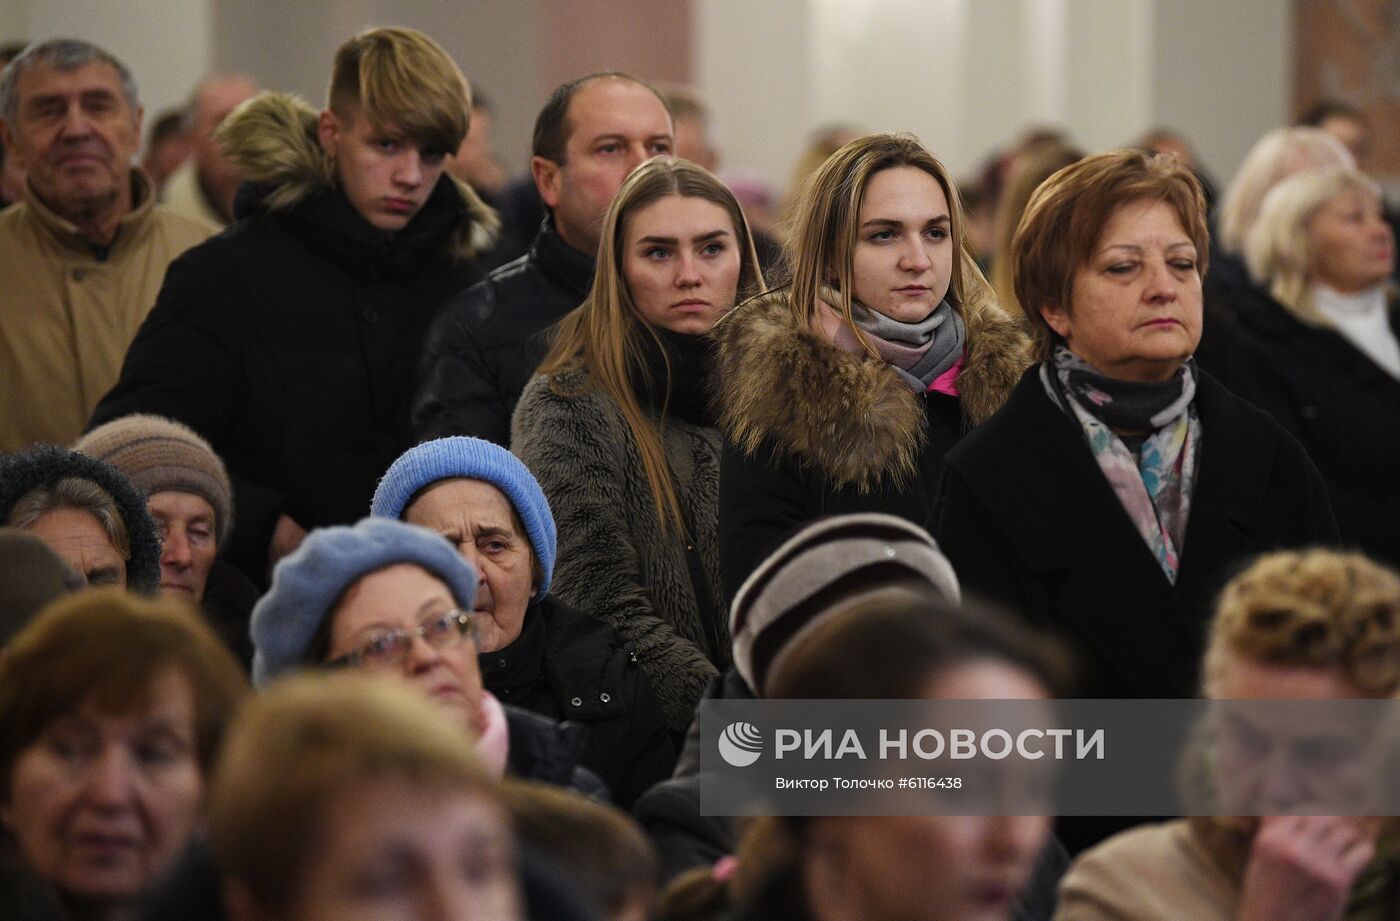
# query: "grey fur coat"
{"points": [[614, 560]]}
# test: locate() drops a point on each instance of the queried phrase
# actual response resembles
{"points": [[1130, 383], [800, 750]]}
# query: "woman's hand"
{"points": [[1301, 868]]}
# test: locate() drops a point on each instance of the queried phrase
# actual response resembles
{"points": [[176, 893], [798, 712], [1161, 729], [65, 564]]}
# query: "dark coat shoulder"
{"points": [[549, 751], [1027, 517], [489, 339], [568, 665], [1342, 406]]}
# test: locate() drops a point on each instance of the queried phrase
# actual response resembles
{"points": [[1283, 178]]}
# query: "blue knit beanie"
{"points": [[309, 581], [476, 459]]}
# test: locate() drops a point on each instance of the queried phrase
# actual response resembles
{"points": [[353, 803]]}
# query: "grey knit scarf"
{"points": [[919, 352]]}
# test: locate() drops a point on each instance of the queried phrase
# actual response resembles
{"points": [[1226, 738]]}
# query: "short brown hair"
{"points": [[1066, 216], [553, 127], [297, 747], [109, 645], [403, 78], [1320, 608], [602, 849]]}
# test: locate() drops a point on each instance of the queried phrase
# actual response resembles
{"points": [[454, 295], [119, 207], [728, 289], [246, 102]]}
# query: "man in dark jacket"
{"points": [[289, 341], [486, 345]]}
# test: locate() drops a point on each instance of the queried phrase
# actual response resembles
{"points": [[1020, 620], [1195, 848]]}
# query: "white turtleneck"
{"points": [[1364, 319]]}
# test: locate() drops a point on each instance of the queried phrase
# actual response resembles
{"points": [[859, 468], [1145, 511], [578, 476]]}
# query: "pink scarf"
{"points": [[493, 746]]}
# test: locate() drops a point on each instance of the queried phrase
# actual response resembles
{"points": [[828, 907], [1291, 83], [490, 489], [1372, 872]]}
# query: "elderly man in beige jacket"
{"points": [[83, 255]]}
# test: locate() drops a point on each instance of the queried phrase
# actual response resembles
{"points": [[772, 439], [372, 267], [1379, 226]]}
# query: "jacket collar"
{"points": [[132, 226], [567, 267], [513, 671], [849, 415], [1266, 318], [330, 226]]}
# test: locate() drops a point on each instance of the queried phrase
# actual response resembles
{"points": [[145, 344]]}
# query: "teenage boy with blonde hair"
{"points": [[288, 341]]}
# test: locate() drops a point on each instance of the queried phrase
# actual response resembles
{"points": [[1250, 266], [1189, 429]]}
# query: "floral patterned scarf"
{"points": [[1154, 488]]}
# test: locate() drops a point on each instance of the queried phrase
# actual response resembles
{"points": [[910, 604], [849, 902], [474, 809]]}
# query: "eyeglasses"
{"points": [[391, 647]]}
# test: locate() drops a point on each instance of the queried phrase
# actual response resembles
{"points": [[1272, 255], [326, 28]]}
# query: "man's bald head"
{"points": [[211, 103]]}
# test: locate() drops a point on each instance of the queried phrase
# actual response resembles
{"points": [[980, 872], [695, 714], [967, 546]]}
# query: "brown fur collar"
{"points": [[850, 415]]}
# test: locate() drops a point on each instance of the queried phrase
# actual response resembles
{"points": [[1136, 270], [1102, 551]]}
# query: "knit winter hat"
{"points": [[31, 575], [307, 583], [44, 465], [794, 588], [158, 454], [476, 459]]}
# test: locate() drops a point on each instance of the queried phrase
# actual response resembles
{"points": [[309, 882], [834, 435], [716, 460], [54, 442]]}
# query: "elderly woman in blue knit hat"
{"points": [[534, 651], [395, 600]]}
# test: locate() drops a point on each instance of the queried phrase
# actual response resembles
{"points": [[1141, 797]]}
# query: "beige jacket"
{"points": [[1151, 873], [184, 195], [67, 314], [1189, 870]]}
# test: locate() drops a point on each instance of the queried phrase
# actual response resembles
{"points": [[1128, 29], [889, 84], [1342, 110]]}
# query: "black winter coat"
{"points": [[550, 752], [569, 666], [1341, 405], [812, 430], [486, 344], [1027, 517], [290, 340]]}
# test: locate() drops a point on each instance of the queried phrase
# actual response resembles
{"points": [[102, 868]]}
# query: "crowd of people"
{"points": [[373, 523]]}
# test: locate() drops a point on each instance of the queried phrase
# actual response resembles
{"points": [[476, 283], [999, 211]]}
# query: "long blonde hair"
{"points": [[823, 238], [603, 336]]}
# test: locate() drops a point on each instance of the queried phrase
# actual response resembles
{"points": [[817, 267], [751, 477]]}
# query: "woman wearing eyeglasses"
{"points": [[395, 599]]}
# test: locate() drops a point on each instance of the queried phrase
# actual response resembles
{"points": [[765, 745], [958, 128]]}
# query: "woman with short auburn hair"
{"points": [[842, 390], [1151, 480], [112, 708], [1321, 328], [1314, 624], [616, 425]]}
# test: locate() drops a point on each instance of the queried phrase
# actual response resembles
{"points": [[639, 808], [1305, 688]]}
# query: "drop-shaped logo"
{"points": [[741, 744]]}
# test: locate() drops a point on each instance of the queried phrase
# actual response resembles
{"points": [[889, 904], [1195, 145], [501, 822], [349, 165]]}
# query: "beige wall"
{"points": [[288, 44], [967, 76], [125, 29], [648, 38]]}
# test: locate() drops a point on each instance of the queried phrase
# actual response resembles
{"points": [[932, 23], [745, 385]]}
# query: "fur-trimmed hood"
{"points": [[850, 415], [272, 138]]}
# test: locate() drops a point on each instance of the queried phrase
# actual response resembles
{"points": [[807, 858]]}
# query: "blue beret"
{"points": [[308, 581], [476, 459]]}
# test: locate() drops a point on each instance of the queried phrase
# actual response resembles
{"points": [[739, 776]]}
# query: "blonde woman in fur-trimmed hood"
{"points": [[290, 341], [841, 391]]}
